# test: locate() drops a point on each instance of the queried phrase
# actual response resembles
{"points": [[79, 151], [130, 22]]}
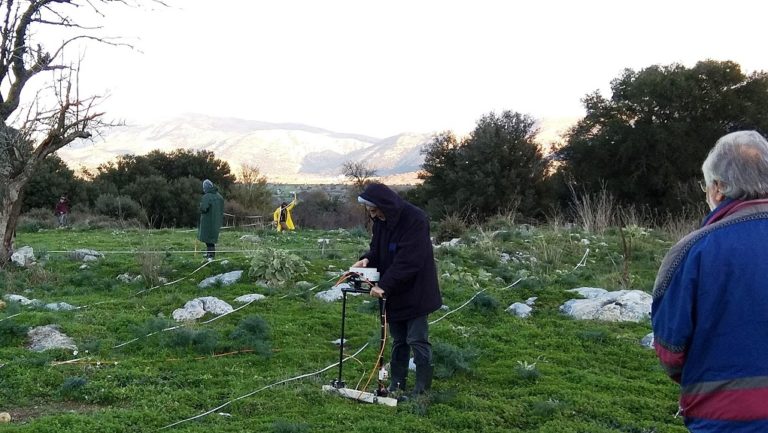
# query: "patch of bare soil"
{"points": [[24, 414]]}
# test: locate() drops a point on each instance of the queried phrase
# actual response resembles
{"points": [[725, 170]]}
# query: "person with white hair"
{"points": [[710, 298]]}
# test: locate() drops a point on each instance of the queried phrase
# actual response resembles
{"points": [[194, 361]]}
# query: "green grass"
{"points": [[494, 372]]}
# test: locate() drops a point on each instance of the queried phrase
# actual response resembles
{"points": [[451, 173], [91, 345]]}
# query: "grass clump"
{"points": [[253, 332], [527, 372], [450, 360]]}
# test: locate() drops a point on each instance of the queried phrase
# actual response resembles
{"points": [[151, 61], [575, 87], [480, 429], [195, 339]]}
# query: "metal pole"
{"points": [[339, 383], [382, 319]]}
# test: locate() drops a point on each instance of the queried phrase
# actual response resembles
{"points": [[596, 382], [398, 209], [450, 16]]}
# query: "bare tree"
{"points": [[359, 173], [57, 114]]}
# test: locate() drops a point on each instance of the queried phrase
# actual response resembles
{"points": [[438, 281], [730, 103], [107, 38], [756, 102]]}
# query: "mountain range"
{"points": [[283, 152]]}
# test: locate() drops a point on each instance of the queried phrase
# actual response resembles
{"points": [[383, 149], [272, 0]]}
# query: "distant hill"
{"points": [[283, 152]]}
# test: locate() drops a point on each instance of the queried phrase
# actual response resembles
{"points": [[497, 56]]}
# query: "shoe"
{"points": [[423, 379]]}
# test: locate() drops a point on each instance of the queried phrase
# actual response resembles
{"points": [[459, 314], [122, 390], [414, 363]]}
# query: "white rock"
{"points": [[86, 255], [48, 337], [618, 306], [197, 308], [249, 298], [330, 295], [192, 310], [225, 279], [519, 310], [24, 256], [21, 299], [60, 306], [334, 293], [125, 278], [589, 292], [215, 305]]}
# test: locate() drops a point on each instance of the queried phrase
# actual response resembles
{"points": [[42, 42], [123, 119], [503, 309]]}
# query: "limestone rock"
{"points": [[48, 337], [226, 279], [617, 306]]}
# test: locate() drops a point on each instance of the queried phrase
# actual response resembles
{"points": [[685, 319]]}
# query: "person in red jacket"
{"points": [[401, 251], [61, 211]]}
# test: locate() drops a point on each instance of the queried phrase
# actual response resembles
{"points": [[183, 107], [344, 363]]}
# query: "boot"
{"points": [[423, 379], [398, 375]]}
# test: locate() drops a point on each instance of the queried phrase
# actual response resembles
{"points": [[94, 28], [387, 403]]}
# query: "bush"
{"points": [[35, 220], [450, 359], [276, 267], [121, 207], [452, 226], [253, 332]]}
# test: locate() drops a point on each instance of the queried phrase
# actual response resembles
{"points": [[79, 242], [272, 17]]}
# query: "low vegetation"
{"points": [[137, 370]]}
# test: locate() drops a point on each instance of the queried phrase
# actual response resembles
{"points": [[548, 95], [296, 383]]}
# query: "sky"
{"points": [[381, 68]]}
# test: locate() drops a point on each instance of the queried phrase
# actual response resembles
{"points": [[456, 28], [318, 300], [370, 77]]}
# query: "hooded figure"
{"points": [[401, 250], [211, 217], [282, 215]]}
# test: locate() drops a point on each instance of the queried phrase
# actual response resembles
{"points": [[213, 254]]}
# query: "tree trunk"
{"points": [[9, 215]]}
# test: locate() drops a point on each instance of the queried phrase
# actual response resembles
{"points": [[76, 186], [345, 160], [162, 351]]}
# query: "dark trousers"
{"points": [[211, 250], [410, 335]]}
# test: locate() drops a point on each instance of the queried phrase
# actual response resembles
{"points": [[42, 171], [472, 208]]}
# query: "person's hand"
{"points": [[377, 292], [362, 263]]}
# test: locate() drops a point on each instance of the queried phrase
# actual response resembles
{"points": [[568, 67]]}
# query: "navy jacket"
{"points": [[401, 250]]}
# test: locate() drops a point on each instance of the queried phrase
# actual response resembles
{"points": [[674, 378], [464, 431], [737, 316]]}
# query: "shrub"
{"points": [[450, 359], [72, 387], [526, 371], [485, 304], [35, 220], [277, 267], [120, 207], [11, 333], [288, 427], [452, 226], [253, 332]]}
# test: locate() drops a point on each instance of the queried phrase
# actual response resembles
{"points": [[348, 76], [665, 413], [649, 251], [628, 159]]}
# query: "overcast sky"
{"points": [[385, 67]]}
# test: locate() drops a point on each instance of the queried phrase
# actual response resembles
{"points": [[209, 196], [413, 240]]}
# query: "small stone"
{"points": [[5, 417]]}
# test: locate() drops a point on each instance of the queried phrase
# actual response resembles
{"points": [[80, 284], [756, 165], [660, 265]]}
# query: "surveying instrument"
{"points": [[361, 280]]}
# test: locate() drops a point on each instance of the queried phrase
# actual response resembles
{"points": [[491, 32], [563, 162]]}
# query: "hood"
{"points": [[385, 199], [208, 186]]}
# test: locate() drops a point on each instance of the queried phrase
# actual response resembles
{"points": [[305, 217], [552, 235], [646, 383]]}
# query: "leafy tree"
{"points": [[200, 164], [496, 167], [177, 164], [647, 142], [166, 185], [50, 181]]}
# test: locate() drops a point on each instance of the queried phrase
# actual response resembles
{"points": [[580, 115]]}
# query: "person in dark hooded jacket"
{"points": [[401, 251], [211, 217]]}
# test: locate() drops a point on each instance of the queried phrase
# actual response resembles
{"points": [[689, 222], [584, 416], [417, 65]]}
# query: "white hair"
{"points": [[739, 162]]}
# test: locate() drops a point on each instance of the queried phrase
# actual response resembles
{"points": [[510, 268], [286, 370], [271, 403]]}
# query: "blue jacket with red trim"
{"points": [[710, 319]]}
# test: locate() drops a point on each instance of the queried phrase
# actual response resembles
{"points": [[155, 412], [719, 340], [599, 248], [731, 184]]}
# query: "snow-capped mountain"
{"points": [[282, 152]]}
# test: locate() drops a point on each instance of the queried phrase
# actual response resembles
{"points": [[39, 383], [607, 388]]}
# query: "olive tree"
{"points": [[51, 113]]}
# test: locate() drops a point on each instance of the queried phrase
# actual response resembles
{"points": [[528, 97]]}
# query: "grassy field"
{"points": [[494, 372]]}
